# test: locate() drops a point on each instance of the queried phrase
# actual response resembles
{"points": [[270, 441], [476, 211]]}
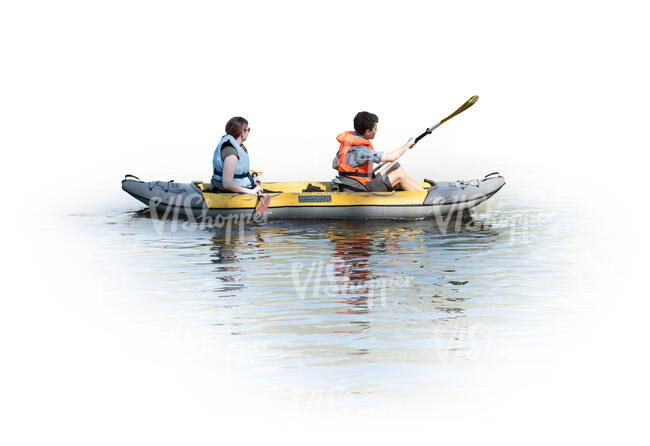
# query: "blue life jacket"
{"points": [[241, 176]]}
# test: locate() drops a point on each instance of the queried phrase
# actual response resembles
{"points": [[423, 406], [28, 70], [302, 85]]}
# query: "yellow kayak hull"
{"points": [[290, 199]]}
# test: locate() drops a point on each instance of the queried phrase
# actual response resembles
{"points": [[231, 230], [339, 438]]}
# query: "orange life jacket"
{"points": [[363, 173]]}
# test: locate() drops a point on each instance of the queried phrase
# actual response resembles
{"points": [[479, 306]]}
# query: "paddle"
{"points": [[263, 204], [471, 101], [263, 201]]}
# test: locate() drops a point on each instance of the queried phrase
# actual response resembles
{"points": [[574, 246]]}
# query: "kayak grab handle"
{"points": [[132, 176], [490, 174]]}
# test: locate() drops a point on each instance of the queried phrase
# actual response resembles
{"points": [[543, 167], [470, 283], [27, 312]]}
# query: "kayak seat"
{"points": [[337, 185], [340, 186]]}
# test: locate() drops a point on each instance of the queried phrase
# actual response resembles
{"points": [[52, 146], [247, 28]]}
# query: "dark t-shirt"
{"points": [[228, 149]]}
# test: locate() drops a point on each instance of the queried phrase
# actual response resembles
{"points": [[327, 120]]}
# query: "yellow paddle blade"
{"points": [[471, 101]]}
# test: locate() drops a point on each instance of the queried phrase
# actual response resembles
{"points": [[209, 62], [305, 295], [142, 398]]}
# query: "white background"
{"points": [[91, 91]]}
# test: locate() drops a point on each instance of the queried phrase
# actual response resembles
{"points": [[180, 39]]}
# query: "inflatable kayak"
{"points": [[315, 200]]}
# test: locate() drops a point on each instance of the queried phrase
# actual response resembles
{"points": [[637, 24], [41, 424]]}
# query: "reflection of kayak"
{"points": [[290, 199]]}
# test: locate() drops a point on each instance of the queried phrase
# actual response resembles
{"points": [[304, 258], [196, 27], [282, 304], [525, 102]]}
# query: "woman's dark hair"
{"points": [[364, 121], [235, 127]]}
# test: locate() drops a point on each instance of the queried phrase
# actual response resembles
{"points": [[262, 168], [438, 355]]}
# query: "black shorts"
{"points": [[379, 183]]}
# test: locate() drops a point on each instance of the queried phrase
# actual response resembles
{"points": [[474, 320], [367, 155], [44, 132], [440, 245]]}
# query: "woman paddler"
{"points": [[230, 161]]}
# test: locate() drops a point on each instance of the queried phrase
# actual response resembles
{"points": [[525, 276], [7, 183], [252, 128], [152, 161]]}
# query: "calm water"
{"points": [[337, 309]]}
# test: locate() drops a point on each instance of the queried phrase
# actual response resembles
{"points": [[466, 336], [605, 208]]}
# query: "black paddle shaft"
{"points": [[426, 132]]}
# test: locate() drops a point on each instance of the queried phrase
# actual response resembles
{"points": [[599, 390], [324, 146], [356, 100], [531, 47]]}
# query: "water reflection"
{"points": [[329, 294], [350, 255], [347, 277]]}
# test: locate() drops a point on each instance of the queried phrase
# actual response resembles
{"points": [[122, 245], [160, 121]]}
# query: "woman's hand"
{"points": [[256, 190], [410, 143]]}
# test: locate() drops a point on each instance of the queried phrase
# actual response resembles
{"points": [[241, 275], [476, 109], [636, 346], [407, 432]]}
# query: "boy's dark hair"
{"points": [[364, 121]]}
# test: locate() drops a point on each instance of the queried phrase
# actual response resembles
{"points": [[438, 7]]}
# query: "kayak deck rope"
{"points": [[161, 184], [464, 184]]}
